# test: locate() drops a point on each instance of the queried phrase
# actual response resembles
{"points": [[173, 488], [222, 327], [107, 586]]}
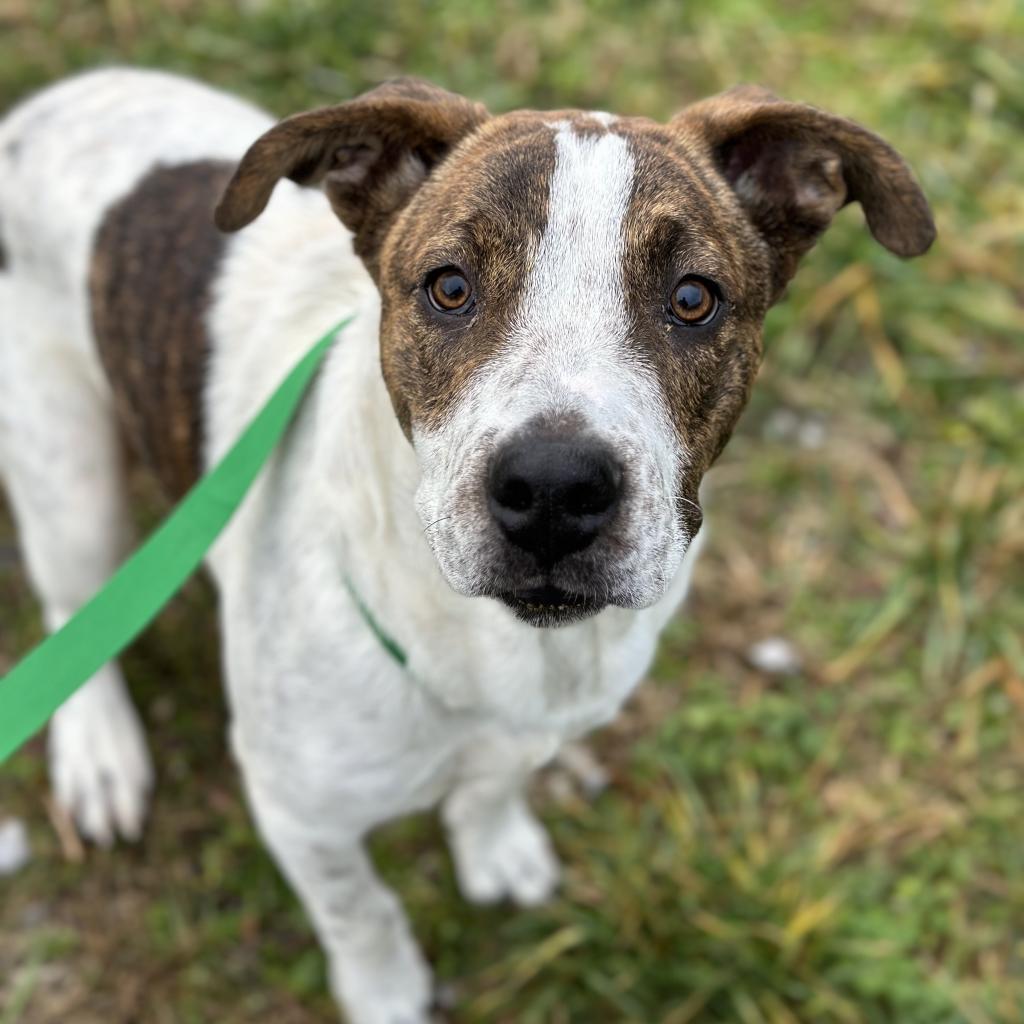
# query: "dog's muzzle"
{"points": [[551, 499]]}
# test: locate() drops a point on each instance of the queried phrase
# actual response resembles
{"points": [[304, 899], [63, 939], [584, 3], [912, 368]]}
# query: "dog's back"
{"points": [[78, 162], [69, 152]]}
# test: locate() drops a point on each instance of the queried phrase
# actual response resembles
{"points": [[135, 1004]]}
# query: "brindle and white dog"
{"points": [[557, 323]]}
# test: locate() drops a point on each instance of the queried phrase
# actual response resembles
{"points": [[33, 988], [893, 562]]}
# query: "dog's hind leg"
{"points": [[500, 849], [60, 461], [377, 972]]}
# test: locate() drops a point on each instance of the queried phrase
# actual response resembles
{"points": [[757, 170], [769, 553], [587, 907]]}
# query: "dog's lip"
{"points": [[549, 601]]}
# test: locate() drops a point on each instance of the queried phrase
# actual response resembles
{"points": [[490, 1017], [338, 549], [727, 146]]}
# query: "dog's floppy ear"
{"points": [[793, 166], [370, 153]]}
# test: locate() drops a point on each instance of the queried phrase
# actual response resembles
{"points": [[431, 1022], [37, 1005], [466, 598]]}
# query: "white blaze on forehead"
{"points": [[574, 304]]}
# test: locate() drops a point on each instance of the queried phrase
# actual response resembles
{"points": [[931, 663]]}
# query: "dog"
{"points": [[462, 554]]}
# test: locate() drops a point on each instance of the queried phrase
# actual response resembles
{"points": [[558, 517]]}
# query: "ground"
{"points": [[842, 842]]}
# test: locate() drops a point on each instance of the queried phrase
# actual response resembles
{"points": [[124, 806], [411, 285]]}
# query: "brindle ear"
{"points": [[370, 153], [793, 166]]}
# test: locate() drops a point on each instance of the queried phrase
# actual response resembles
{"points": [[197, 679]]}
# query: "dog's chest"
{"points": [[324, 700], [154, 260]]}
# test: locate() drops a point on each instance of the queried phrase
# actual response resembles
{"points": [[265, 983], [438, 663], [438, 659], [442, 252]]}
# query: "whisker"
{"points": [[689, 502], [435, 522]]}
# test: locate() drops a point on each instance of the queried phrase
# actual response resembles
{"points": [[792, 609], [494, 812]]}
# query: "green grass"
{"points": [[842, 845]]}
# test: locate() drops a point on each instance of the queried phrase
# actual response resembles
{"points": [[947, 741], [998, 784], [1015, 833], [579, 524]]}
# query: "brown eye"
{"points": [[693, 302], [449, 291]]}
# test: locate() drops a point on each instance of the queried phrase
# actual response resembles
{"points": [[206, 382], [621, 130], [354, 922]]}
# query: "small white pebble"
{"points": [[446, 996], [775, 656], [781, 425], [811, 434], [15, 851]]}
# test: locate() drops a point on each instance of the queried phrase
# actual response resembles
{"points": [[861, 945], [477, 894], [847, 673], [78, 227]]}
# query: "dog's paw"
{"points": [[100, 767], [510, 857], [392, 990]]}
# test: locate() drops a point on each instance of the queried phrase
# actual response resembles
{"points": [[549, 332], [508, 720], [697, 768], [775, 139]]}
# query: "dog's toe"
{"points": [[100, 767]]}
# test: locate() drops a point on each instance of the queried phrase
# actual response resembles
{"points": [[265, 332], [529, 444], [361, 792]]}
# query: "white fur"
{"points": [[332, 735]]}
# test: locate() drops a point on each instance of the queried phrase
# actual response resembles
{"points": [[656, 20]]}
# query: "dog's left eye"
{"points": [[693, 302], [449, 291]]}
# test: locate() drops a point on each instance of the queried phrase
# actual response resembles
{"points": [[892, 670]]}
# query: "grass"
{"points": [[843, 844]]}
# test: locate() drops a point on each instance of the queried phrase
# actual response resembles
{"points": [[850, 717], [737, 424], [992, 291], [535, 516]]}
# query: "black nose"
{"points": [[552, 497]]}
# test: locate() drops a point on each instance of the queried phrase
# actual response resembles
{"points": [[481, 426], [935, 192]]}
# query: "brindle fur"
{"points": [[154, 262], [484, 211]]}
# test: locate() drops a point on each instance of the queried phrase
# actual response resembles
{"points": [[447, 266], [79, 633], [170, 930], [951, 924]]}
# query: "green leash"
{"points": [[140, 588]]}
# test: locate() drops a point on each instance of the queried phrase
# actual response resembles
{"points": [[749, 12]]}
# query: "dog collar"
{"points": [[386, 641]]}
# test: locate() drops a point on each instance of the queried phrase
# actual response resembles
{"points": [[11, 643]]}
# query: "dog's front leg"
{"points": [[377, 972], [500, 849]]}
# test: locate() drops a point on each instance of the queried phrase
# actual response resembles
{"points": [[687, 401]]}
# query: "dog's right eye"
{"points": [[693, 302], [449, 291]]}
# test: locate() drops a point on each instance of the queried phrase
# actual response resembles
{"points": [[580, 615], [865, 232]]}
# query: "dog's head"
{"points": [[572, 307]]}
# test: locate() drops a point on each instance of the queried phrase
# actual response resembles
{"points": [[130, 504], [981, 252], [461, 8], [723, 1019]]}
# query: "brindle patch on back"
{"points": [[154, 261]]}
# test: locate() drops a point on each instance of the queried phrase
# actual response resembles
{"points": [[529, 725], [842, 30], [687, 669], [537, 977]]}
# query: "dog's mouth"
{"points": [[549, 605]]}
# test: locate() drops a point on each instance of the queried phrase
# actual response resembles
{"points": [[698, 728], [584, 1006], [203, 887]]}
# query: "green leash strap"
{"points": [[128, 602]]}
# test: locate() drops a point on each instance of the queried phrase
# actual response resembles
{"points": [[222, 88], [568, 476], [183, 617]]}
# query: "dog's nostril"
{"points": [[515, 494], [592, 497]]}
